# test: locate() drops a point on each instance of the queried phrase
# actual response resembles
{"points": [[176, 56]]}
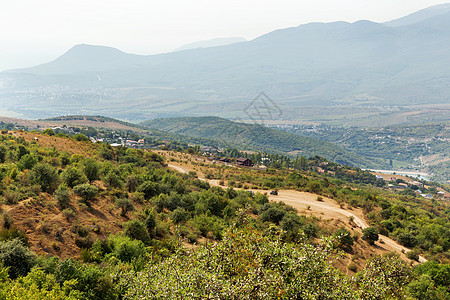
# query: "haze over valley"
{"points": [[363, 66]]}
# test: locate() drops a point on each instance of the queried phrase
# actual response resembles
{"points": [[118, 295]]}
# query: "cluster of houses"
{"points": [[244, 162], [57, 128], [209, 149], [415, 184], [129, 143], [241, 161], [115, 142]]}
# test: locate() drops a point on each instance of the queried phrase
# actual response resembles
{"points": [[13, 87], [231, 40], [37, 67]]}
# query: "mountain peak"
{"points": [[87, 49], [420, 15], [85, 58]]}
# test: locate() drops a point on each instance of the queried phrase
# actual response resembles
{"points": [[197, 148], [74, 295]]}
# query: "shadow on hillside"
{"points": [[97, 213]]}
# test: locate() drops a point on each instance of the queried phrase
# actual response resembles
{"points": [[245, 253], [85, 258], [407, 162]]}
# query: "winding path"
{"points": [[328, 207]]}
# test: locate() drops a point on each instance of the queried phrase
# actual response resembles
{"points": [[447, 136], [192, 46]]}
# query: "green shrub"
{"points": [[10, 197], [84, 242], [113, 180], [105, 151], [424, 287], [261, 199], [91, 169], [149, 189], [62, 196], [125, 206], [135, 229], [192, 238], [80, 137], [81, 231], [39, 285], [150, 222], [344, 239], [132, 183], [69, 213], [7, 220], [291, 223], [407, 238], [413, 254], [86, 191], [370, 234], [384, 277], [180, 215], [65, 159], [3, 152], [245, 264], [73, 176], [137, 198], [27, 162], [90, 280], [11, 233], [126, 249], [61, 135], [44, 175], [352, 267], [310, 230], [48, 131], [273, 214], [15, 255]]}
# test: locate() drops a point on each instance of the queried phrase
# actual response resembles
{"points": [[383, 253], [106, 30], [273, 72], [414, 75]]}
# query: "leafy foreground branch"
{"points": [[249, 264]]}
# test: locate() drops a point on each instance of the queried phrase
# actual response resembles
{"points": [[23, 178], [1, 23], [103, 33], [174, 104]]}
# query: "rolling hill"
{"points": [[215, 131], [257, 137], [334, 64]]}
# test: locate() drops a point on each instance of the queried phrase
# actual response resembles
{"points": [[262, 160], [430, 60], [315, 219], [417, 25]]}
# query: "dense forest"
{"points": [[89, 221]]}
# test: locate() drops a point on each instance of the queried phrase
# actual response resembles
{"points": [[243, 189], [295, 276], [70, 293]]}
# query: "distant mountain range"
{"points": [[211, 43], [402, 62], [421, 15]]}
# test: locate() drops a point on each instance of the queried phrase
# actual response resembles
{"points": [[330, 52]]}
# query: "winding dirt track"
{"points": [[328, 208]]}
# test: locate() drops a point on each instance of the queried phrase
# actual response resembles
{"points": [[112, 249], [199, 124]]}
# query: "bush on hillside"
{"points": [[137, 230], [62, 195], [17, 257], [80, 137], [73, 176], [86, 191], [91, 169], [370, 234], [125, 206], [44, 175]]}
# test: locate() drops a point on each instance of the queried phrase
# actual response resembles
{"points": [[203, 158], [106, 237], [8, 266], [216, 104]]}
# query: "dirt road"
{"points": [[332, 210], [328, 208]]}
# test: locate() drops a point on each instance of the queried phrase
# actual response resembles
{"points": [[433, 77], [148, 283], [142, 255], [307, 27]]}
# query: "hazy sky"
{"points": [[34, 32]]}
